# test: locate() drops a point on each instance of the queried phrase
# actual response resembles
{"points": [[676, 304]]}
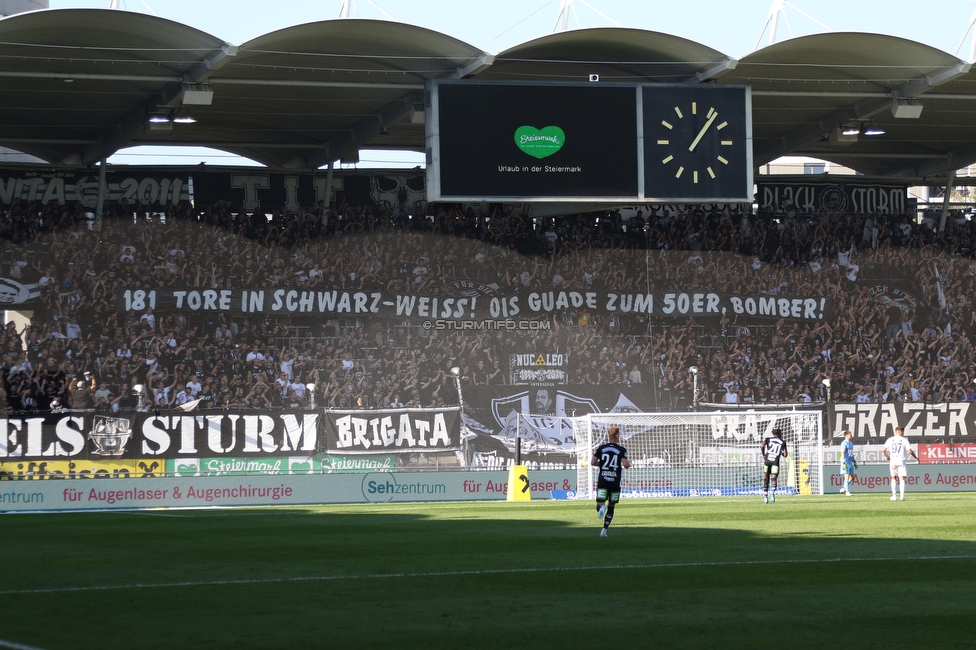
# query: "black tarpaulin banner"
{"points": [[62, 436]]}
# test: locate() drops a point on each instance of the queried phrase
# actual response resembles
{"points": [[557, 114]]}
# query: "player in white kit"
{"points": [[897, 450]]}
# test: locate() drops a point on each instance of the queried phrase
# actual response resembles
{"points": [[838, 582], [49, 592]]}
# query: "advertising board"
{"points": [[239, 491], [921, 478]]}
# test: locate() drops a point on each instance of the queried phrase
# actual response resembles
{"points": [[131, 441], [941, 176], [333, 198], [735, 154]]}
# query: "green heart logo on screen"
{"points": [[186, 470], [301, 468], [539, 143]]}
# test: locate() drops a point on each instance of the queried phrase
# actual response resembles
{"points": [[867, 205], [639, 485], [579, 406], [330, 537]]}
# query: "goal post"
{"points": [[703, 453]]}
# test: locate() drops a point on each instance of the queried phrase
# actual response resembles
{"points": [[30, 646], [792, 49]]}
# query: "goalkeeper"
{"points": [[772, 449], [848, 464], [611, 458]]}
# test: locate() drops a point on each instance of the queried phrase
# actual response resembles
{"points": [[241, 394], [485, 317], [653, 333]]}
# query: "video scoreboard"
{"points": [[620, 143]]}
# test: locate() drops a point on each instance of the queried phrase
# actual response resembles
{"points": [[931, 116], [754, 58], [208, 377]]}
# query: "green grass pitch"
{"points": [[807, 572]]}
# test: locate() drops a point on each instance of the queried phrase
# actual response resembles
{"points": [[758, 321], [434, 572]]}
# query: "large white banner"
{"points": [[444, 310]]}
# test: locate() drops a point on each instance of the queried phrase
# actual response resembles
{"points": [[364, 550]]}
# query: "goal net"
{"points": [[703, 454]]}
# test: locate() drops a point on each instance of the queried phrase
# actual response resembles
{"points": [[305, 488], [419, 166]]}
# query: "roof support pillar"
{"points": [[947, 199], [328, 194], [102, 192]]}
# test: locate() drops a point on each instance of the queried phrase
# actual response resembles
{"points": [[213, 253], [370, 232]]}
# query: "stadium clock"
{"points": [[697, 143]]}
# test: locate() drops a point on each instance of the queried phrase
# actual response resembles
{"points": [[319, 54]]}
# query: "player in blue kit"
{"points": [[848, 464], [772, 449], [611, 459]]}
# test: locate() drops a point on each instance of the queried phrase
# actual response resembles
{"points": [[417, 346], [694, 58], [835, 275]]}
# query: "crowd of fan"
{"points": [[79, 351]]}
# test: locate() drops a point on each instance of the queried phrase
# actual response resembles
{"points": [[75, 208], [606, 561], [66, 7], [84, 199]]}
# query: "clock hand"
{"points": [[701, 133]]}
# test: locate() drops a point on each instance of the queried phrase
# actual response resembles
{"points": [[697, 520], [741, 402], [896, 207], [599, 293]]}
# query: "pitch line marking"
{"points": [[16, 646], [472, 572]]}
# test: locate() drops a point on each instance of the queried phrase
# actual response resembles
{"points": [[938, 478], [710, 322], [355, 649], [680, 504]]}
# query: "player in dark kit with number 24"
{"points": [[772, 449], [611, 459]]}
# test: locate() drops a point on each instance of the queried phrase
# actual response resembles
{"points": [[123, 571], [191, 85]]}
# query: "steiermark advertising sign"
{"points": [[318, 464]]}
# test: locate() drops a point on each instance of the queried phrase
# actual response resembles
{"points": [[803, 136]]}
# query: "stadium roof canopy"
{"points": [[79, 84]]}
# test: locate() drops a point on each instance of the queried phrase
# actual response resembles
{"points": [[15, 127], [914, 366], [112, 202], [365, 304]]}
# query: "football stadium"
{"points": [[682, 341]]}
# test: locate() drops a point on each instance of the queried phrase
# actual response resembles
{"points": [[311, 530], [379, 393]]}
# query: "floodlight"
{"points": [[197, 95], [906, 109]]}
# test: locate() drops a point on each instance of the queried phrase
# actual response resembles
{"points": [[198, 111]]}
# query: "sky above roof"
{"points": [[733, 28]]}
